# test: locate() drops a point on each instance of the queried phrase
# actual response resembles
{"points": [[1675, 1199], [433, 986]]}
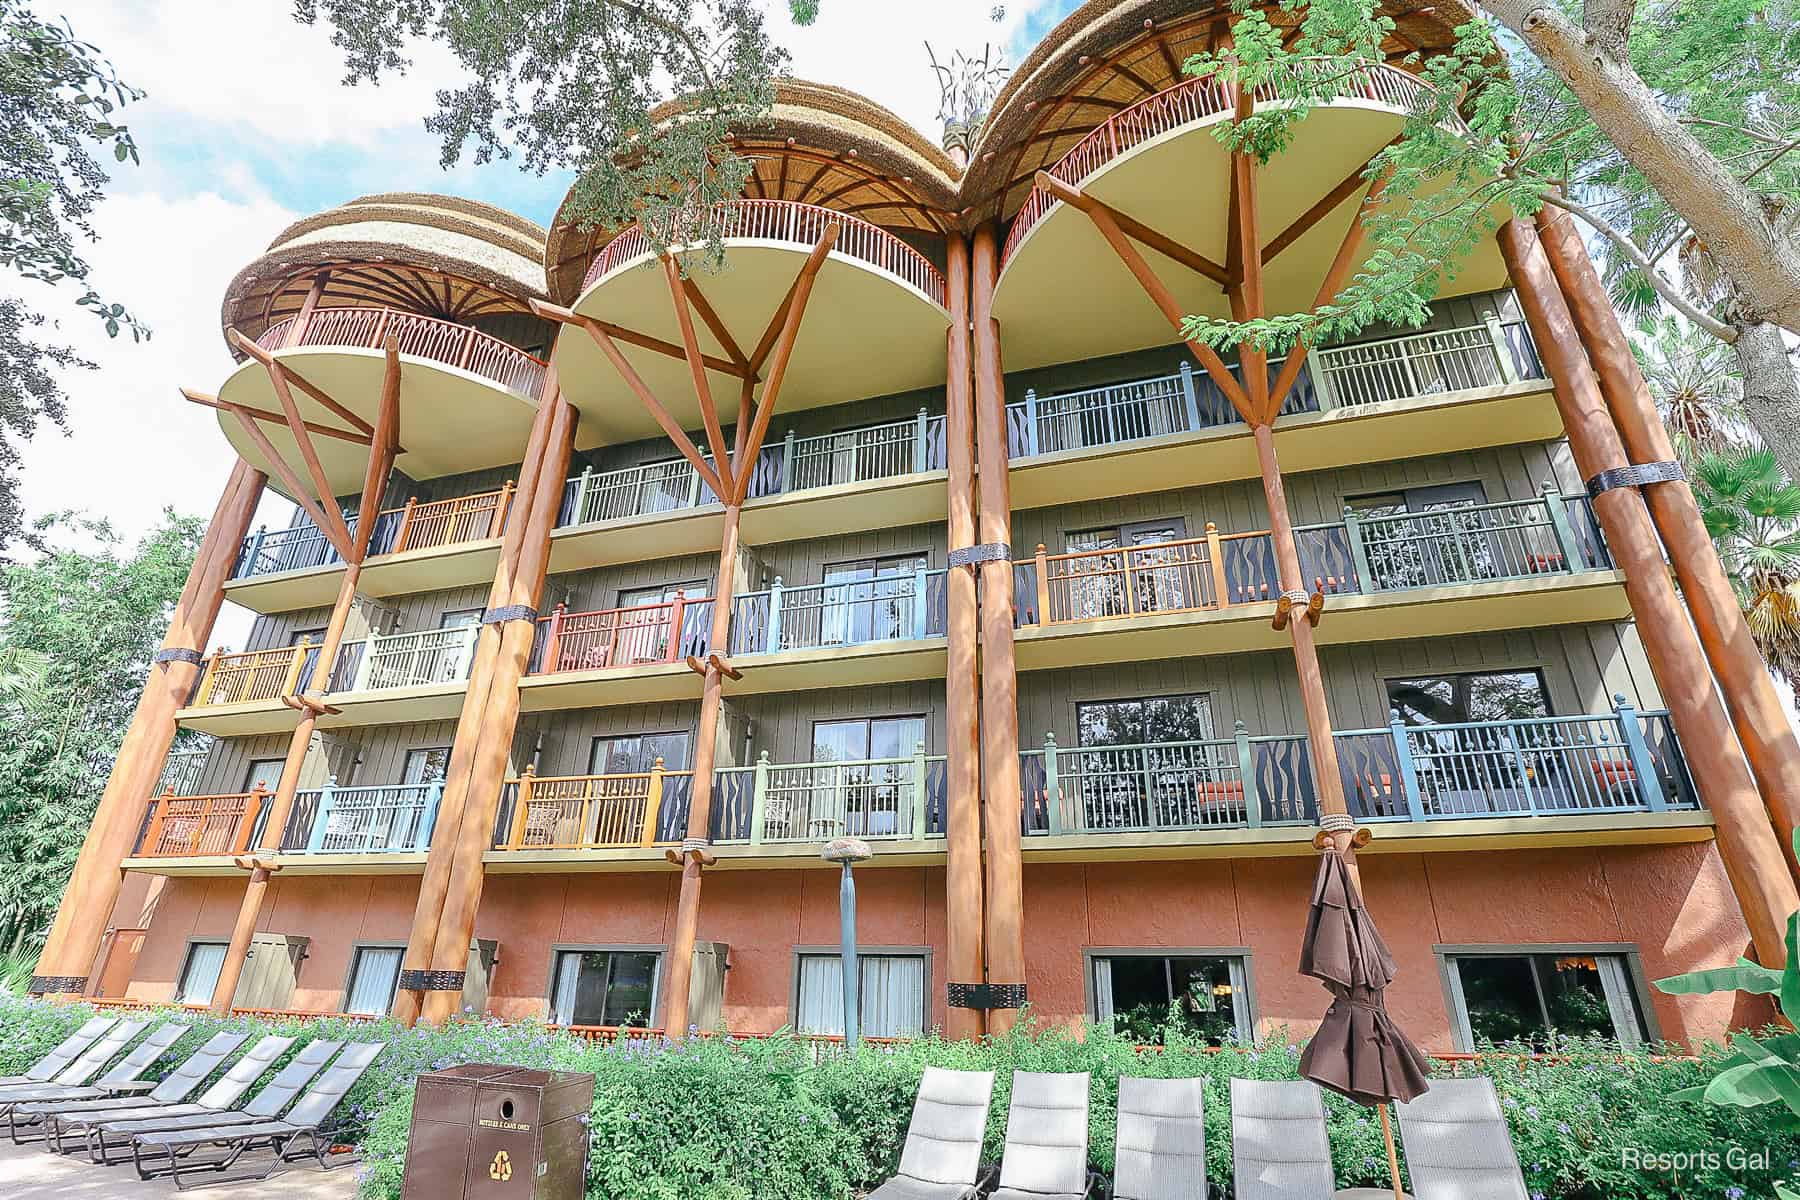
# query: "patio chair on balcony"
{"points": [[1046, 1155], [1457, 1143], [36, 1121], [214, 1109], [941, 1159], [63, 1054], [1161, 1143]]}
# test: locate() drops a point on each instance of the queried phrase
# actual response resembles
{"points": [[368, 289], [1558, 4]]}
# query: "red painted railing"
{"points": [[621, 637], [446, 342], [1189, 101], [801, 224]]}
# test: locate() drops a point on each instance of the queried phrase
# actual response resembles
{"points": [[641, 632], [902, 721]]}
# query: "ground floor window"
{"points": [[1134, 992], [200, 974], [891, 1002], [1530, 996], [604, 987], [374, 974]]}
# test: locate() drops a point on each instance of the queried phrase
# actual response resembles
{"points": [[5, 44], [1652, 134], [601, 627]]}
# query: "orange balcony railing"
{"points": [[454, 345], [253, 675], [187, 826], [584, 812], [802, 225]]}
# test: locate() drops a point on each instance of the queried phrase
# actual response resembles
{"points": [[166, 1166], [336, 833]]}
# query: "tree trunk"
{"points": [[1771, 392], [1723, 212]]}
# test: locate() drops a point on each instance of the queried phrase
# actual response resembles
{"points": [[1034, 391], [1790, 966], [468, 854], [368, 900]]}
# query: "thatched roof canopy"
{"points": [[437, 256]]}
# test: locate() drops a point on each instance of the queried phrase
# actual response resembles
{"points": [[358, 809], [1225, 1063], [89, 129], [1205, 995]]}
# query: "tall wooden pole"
{"points": [[1747, 844], [493, 748], [439, 860], [1005, 940], [1756, 710], [693, 853], [962, 722], [93, 888]]}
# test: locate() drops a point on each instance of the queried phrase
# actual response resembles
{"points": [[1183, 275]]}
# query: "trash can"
{"points": [[487, 1131]]}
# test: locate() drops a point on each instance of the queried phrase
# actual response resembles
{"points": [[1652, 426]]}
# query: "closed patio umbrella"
{"points": [[1358, 1051]]}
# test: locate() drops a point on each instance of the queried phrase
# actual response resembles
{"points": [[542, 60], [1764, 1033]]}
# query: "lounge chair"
{"points": [[305, 1120], [121, 1078], [1161, 1145], [1046, 1155], [214, 1109], [32, 1122], [1457, 1144], [66, 1052], [1279, 1150], [82, 1070], [942, 1156]]}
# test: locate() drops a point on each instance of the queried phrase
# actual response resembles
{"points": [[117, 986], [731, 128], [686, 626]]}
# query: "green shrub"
{"points": [[726, 1119]]}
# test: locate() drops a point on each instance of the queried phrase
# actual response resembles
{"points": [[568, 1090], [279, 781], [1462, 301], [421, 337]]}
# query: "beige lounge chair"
{"points": [[942, 1156]]}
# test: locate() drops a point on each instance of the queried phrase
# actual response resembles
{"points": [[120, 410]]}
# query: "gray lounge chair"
{"points": [[1046, 1156], [1161, 1146], [1457, 1144], [33, 1122], [214, 1109], [1279, 1149], [942, 1156], [80, 1072], [304, 1121], [65, 1052], [122, 1078]]}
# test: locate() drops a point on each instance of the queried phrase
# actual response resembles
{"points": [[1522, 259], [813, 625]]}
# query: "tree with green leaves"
{"points": [[59, 102], [574, 84], [1751, 510], [1671, 135], [77, 635]]}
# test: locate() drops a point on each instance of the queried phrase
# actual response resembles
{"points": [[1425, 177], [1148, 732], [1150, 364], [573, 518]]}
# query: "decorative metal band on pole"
{"points": [[56, 985], [985, 995], [1635, 475], [509, 612], [432, 981], [178, 654], [971, 556]]}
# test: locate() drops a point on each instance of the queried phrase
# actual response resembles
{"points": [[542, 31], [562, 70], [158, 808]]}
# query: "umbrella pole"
{"points": [[1387, 1131]]}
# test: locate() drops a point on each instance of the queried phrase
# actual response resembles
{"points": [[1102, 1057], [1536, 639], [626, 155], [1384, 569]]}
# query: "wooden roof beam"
{"points": [[690, 341], [248, 346], [555, 312], [263, 414], [321, 515], [1159, 242], [1323, 208], [381, 451]]}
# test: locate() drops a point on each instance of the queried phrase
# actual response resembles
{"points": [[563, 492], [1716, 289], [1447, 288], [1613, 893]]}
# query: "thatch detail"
{"points": [[439, 256]]}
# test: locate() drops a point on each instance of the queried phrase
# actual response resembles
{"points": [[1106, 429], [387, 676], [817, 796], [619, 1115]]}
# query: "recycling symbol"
{"points": [[501, 1168]]}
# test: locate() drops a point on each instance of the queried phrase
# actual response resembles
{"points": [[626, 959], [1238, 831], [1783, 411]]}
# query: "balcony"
{"points": [[617, 655], [1508, 564], [870, 280], [1544, 777], [377, 680], [877, 476], [420, 546], [356, 830], [467, 399], [1053, 253], [1426, 393]]}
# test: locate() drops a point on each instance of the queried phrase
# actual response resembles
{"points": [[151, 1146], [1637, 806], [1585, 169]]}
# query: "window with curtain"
{"points": [[1210, 996], [374, 974], [200, 974], [1531, 997], [604, 987], [426, 764], [890, 1002]]}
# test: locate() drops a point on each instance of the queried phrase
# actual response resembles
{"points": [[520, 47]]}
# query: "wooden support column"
{"points": [[474, 718], [962, 720], [1005, 922], [1756, 709], [1747, 844], [93, 887], [479, 787]]}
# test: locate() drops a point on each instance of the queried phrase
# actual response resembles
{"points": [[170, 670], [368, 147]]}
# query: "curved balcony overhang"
{"points": [[874, 324], [466, 399], [1063, 295]]}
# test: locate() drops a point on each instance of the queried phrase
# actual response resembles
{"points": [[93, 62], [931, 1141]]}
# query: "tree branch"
{"points": [[1669, 292], [1608, 24]]}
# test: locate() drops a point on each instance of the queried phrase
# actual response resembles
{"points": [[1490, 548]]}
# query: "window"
{"points": [[264, 773], [862, 798], [635, 753], [1469, 696], [200, 974], [1415, 537], [1147, 574], [644, 596], [427, 764], [1529, 996], [374, 974], [1133, 991], [1137, 766], [870, 600], [1489, 768], [890, 999], [460, 618], [604, 987]]}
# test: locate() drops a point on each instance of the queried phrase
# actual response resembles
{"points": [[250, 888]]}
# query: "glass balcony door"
{"points": [[1141, 576], [869, 601], [861, 798], [1485, 769]]}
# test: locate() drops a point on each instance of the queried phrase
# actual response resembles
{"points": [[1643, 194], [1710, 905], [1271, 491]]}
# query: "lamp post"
{"points": [[848, 851]]}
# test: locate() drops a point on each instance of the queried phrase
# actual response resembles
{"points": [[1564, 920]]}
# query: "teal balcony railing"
{"points": [[1622, 761], [384, 819]]}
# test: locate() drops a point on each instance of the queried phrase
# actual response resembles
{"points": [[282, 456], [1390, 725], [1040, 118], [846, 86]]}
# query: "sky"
{"points": [[245, 128]]}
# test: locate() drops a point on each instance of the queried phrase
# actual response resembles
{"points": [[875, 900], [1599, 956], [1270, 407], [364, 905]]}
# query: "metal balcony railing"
{"points": [[416, 525], [820, 615], [398, 660], [588, 812], [1549, 534], [1622, 761], [381, 819], [880, 799], [621, 637], [446, 342]]}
